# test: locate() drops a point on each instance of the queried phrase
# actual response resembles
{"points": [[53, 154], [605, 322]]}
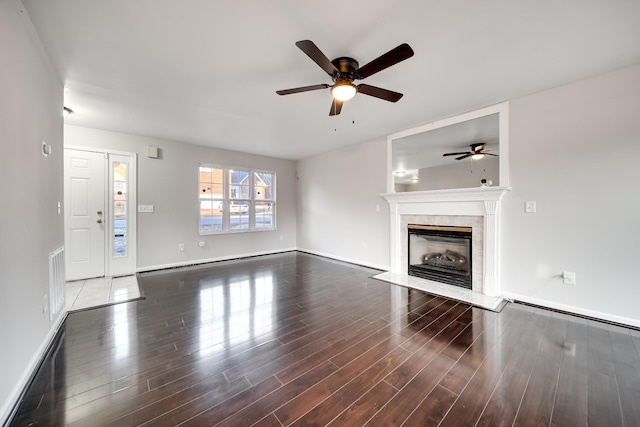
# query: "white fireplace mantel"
{"points": [[479, 194], [479, 202]]}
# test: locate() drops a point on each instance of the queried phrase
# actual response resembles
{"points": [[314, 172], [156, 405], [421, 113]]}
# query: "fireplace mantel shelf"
{"points": [[477, 194]]}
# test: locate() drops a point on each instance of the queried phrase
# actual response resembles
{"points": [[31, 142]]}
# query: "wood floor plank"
{"points": [[210, 411], [366, 406], [469, 406], [603, 400], [537, 403], [268, 404], [506, 399], [424, 355], [570, 407], [462, 372], [299, 365], [325, 388], [333, 405], [432, 409], [626, 361], [398, 409]]}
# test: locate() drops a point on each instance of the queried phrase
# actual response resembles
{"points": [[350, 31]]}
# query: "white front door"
{"points": [[84, 202], [99, 213]]}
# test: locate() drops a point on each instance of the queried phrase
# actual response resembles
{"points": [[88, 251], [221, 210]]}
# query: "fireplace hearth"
{"points": [[440, 253]]}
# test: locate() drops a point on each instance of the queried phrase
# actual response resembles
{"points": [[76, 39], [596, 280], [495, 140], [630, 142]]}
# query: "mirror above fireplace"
{"points": [[417, 161]]}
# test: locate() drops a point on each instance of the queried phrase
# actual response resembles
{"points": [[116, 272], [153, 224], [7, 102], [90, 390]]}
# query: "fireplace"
{"points": [[476, 208], [440, 253]]}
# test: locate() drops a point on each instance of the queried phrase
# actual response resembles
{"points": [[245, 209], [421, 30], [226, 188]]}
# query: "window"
{"points": [[119, 209], [235, 199]]}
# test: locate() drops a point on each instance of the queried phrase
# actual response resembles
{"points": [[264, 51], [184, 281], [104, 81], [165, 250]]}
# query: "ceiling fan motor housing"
{"points": [[346, 69]]}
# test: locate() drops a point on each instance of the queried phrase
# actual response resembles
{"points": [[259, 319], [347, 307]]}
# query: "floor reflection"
{"points": [[235, 310], [122, 330]]}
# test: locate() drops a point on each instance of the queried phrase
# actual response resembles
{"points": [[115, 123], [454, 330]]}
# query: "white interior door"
{"points": [[84, 203]]}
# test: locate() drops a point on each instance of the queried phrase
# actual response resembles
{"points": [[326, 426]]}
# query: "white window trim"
{"points": [[226, 200]]}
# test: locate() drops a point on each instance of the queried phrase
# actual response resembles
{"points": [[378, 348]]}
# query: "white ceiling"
{"points": [[205, 72]]}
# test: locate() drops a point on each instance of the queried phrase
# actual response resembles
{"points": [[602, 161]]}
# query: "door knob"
{"points": [[99, 212], [99, 221]]}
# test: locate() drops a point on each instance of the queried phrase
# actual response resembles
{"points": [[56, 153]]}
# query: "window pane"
{"points": [[264, 215], [211, 183], [119, 209], [239, 215], [263, 186], [238, 184], [210, 216]]}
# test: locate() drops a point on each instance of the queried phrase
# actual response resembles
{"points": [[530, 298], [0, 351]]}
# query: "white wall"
{"points": [[337, 197], [575, 150], [30, 112], [170, 183]]}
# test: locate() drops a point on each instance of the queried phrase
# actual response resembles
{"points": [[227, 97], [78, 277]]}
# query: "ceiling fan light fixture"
{"points": [[415, 179], [343, 91], [477, 156]]}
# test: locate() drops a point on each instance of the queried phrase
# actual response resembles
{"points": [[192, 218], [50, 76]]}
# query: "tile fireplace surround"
{"points": [[478, 208]]}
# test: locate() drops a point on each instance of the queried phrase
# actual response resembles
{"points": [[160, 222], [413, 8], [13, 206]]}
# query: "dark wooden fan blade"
{"points": [[489, 154], [302, 89], [336, 107], [312, 51], [390, 58], [455, 154], [465, 156], [378, 92]]}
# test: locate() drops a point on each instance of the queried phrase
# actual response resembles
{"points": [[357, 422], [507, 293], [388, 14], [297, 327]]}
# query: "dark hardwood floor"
{"points": [[295, 339]]}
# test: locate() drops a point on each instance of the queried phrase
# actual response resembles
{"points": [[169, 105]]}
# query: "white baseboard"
{"points": [[30, 370], [208, 260], [572, 309], [344, 259]]}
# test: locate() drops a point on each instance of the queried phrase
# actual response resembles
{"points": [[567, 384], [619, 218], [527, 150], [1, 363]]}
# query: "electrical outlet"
{"points": [[364, 246], [181, 247], [569, 278], [281, 238]]}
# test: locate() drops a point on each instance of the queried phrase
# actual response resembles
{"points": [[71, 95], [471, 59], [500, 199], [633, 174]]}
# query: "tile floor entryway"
{"points": [[82, 294]]}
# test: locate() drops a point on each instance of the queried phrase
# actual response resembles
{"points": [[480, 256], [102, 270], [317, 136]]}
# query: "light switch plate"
{"points": [[145, 208], [530, 207]]}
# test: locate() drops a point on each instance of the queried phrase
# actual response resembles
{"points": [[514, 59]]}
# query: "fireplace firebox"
{"points": [[440, 253]]}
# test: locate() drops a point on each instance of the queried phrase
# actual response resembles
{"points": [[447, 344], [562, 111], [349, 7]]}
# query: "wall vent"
{"points": [[56, 281]]}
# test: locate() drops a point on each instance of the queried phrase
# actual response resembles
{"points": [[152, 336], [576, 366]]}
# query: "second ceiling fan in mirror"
{"points": [[477, 152]]}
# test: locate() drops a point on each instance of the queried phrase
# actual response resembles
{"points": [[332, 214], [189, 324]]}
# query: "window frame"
{"points": [[227, 200]]}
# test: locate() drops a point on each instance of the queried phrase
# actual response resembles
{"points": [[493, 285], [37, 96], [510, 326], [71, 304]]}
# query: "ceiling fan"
{"points": [[477, 152], [344, 71]]}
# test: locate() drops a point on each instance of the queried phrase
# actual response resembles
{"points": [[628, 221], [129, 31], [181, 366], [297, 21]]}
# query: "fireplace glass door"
{"points": [[440, 253]]}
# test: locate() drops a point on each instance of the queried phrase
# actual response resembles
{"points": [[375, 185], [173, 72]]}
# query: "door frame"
{"points": [[126, 265]]}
